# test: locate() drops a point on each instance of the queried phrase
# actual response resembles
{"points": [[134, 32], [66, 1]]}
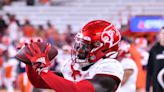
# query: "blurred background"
{"points": [[57, 21]]}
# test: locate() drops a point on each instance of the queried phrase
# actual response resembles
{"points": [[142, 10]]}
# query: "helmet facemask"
{"points": [[81, 50]]}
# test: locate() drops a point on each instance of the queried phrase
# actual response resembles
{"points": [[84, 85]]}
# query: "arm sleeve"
{"points": [[149, 70], [60, 84], [35, 79]]}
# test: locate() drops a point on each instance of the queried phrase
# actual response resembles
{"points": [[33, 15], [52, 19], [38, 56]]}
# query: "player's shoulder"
{"points": [[107, 63], [109, 67]]}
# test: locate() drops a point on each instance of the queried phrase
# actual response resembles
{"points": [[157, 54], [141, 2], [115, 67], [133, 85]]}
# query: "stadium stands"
{"points": [[78, 12]]}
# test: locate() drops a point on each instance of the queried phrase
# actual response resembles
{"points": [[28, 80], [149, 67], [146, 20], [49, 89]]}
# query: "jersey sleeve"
{"points": [[52, 81], [60, 84], [109, 67]]}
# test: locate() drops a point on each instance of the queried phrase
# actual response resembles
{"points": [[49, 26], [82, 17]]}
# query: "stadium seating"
{"points": [[78, 12]]}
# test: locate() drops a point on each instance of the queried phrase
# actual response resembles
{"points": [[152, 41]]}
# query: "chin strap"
{"points": [[74, 72]]}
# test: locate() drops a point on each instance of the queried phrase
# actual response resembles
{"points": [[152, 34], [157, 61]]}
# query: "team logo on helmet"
{"points": [[108, 36]]}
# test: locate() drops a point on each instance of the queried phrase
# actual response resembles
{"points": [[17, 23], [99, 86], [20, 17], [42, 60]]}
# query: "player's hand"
{"points": [[40, 67], [37, 54], [40, 61]]}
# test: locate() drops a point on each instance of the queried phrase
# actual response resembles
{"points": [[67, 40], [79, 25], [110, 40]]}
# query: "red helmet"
{"points": [[96, 40]]}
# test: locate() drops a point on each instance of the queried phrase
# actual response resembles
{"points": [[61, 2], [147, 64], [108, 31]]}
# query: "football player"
{"points": [[130, 68], [93, 67]]}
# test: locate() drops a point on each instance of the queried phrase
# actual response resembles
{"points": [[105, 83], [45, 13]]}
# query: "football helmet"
{"points": [[97, 39]]}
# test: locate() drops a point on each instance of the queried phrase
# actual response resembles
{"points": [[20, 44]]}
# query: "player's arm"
{"points": [[60, 84], [127, 74], [105, 83], [100, 83], [35, 79], [129, 68]]}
